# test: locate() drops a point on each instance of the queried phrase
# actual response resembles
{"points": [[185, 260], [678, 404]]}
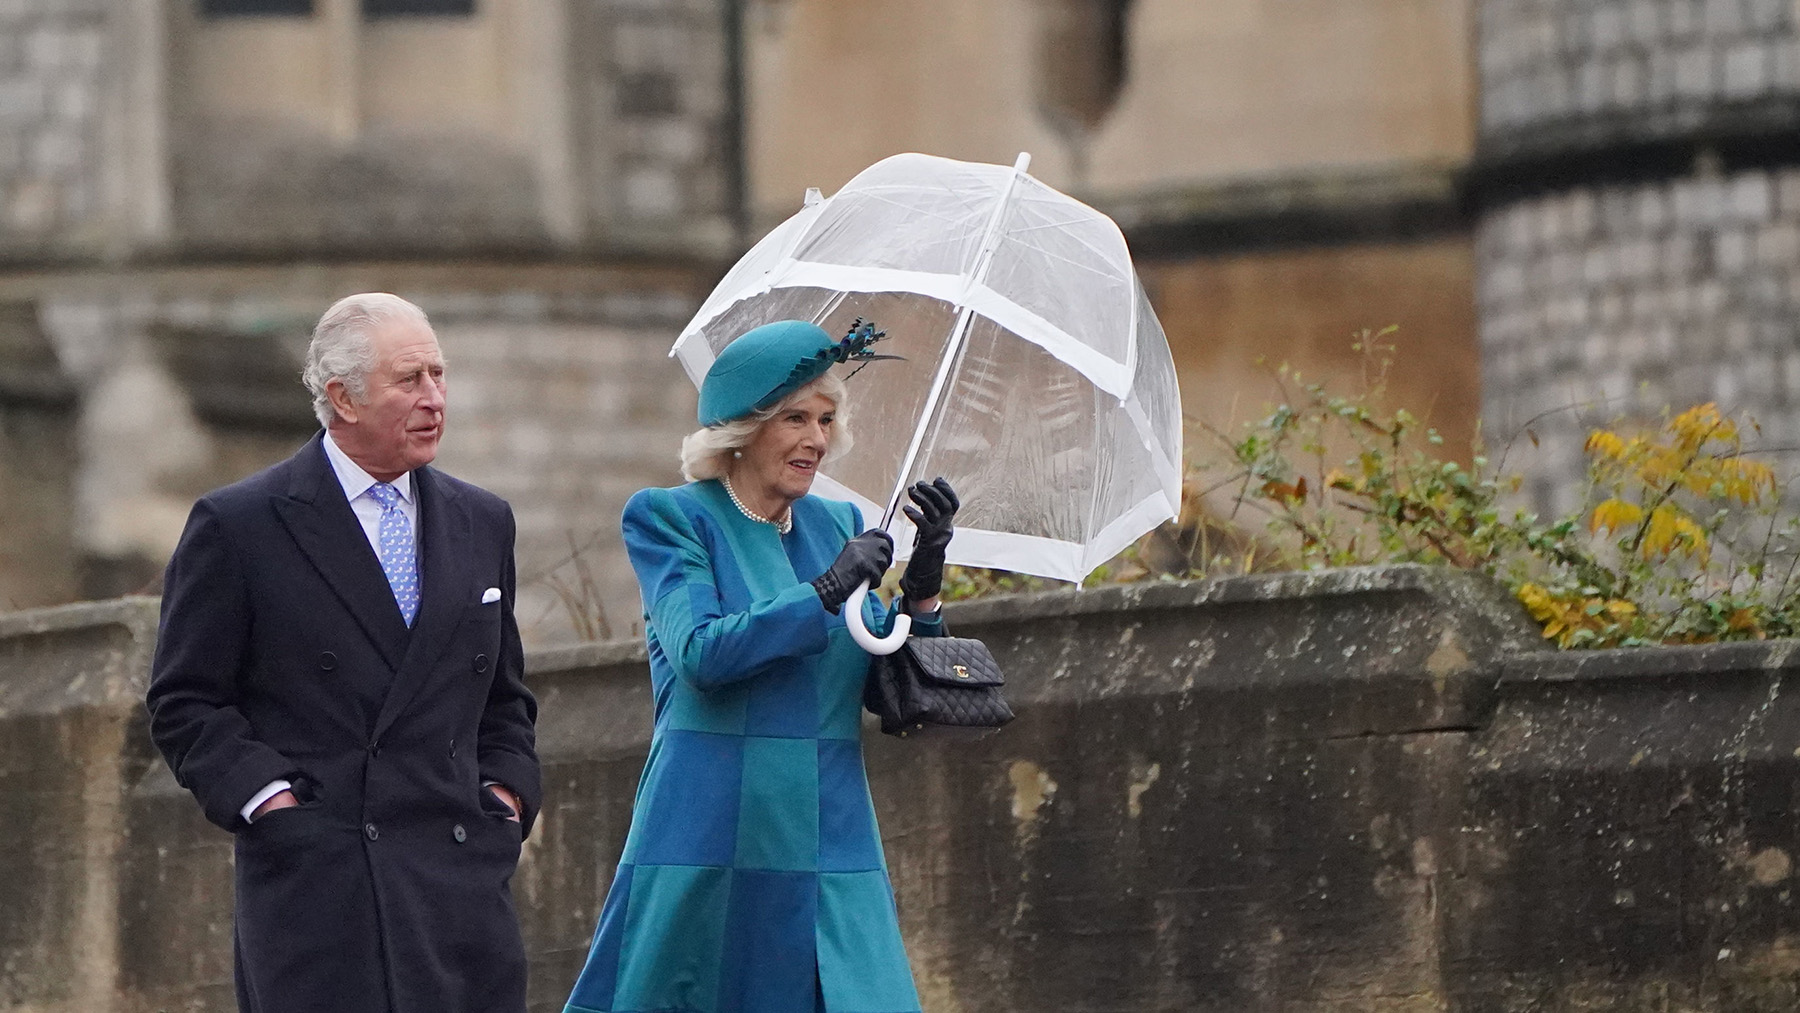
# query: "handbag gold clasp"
{"points": [[961, 671]]}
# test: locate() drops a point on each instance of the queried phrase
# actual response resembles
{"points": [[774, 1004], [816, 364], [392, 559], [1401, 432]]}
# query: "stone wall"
{"points": [[37, 471], [146, 129], [1637, 246], [527, 126], [1666, 62], [52, 56], [1228, 90], [654, 133], [562, 400], [1625, 299], [1363, 790]]}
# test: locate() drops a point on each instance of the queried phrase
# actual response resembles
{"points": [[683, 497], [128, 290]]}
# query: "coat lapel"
{"points": [[444, 585], [328, 533]]}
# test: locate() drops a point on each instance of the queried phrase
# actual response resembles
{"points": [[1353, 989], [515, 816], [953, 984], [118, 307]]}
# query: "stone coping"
{"points": [[1474, 594], [1755, 659], [136, 612]]}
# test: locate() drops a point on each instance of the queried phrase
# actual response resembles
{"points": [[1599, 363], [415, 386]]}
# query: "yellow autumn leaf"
{"points": [[1748, 481], [1615, 515], [1696, 425], [1669, 530], [1606, 443], [1658, 470], [1698, 480], [1691, 538]]}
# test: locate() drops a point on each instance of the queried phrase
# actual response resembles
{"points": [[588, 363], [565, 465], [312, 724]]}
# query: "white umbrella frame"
{"points": [[968, 296]]}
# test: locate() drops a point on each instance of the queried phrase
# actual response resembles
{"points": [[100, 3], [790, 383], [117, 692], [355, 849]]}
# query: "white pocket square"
{"points": [[492, 594]]}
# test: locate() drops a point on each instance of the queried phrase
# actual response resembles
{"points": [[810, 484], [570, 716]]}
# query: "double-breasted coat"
{"points": [[752, 879], [283, 655]]}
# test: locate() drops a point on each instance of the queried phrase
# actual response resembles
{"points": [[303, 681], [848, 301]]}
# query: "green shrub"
{"points": [[1681, 536]]}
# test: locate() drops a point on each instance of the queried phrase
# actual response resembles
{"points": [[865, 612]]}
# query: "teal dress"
{"points": [[752, 879]]}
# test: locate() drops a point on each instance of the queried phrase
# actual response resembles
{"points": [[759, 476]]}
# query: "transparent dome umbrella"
{"points": [[1035, 376]]}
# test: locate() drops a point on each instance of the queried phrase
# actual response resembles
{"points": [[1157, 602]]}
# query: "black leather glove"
{"points": [[933, 516], [865, 557]]}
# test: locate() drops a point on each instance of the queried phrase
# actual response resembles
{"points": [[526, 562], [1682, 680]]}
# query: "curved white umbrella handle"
{"points": [[853, 618]]}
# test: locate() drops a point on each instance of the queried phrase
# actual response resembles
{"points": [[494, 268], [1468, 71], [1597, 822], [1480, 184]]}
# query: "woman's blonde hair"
{"points": [[706, 453]]}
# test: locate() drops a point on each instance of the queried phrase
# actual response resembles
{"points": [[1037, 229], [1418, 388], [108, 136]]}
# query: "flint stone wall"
{"points": [[1358, 790], [1637, 245], [1629, 298], [1552, 70]]}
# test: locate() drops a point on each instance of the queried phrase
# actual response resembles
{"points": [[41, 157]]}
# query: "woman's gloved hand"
{"points": [[865, 557], [933, 516]]}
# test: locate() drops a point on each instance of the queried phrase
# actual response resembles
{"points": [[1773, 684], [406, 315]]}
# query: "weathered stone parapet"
{"points": [[72, 742], [1358, 790], [1629, 841]]}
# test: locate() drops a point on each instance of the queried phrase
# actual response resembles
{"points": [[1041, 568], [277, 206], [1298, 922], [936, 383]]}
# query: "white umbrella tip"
{"points": [[813, 196]]}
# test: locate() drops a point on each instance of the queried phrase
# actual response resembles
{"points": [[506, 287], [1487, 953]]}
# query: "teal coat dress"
{"points": [[752, 879]]}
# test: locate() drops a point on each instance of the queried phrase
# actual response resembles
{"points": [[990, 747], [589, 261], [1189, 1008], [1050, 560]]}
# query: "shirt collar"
{"points": [[355, 480]]}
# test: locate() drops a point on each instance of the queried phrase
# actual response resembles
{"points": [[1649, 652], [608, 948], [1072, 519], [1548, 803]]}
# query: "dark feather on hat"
{"points": [[854, 348]]}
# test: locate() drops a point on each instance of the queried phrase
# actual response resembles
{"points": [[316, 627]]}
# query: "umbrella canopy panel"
{"points": [[1035, 375]]}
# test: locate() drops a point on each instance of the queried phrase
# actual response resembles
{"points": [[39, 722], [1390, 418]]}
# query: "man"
{"points": [[338, 681]]}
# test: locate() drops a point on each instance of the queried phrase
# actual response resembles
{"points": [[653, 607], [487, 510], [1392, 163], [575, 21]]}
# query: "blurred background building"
{"points": [[1556, 202]]}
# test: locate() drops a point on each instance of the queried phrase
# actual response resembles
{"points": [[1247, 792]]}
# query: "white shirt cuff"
{"points": [[274, 788]]}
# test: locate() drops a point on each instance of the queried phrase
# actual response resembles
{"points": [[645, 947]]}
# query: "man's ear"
{"points": [[341, 400]]}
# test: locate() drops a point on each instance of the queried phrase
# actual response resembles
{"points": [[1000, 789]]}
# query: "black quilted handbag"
{"points": [[936, 684]]}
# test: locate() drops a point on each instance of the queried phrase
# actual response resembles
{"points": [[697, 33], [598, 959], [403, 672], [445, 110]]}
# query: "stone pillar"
{"points": [[38, 462], [71, 704]]}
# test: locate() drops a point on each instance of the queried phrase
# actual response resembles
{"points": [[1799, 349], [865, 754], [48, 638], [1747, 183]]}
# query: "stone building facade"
{"points": [[52, 123], [1572, 210], [1638, 240], [1288, 174], [186, 184]]}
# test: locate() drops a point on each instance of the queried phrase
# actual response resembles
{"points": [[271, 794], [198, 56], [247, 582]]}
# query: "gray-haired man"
{"points": [[338, 682]]}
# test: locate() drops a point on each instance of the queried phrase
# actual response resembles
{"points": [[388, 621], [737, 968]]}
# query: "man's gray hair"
{"points": [[706, 453], [342, 350]]}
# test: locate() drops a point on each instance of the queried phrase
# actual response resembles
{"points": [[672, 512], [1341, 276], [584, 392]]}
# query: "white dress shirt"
{"points": [[356, 483]]}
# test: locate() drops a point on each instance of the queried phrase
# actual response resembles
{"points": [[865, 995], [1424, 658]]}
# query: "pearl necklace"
{"points": [[783, 526]]}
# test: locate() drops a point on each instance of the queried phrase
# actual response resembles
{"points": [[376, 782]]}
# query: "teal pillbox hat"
{"points": [[761, 367]]}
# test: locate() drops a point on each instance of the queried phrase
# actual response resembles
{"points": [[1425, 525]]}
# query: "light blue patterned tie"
{"points": [[398, 560]]}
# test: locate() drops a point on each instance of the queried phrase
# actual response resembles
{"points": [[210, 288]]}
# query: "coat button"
{"points": [[460, 834], [375, 748], [370, 831], [481, 663], [453, 749], [327, 661]]}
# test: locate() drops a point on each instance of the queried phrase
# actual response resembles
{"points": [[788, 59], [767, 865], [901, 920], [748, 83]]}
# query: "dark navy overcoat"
{"points": [[282, 655]]}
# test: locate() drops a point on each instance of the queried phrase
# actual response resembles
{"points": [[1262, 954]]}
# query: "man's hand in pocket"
{"points": [[505, 794], [283, 799]]}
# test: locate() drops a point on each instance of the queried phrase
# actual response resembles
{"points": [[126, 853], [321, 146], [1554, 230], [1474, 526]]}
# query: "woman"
{"points": [[752, 878]]}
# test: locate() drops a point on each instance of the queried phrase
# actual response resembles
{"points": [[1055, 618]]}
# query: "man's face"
{"points": [[398, 427]]}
